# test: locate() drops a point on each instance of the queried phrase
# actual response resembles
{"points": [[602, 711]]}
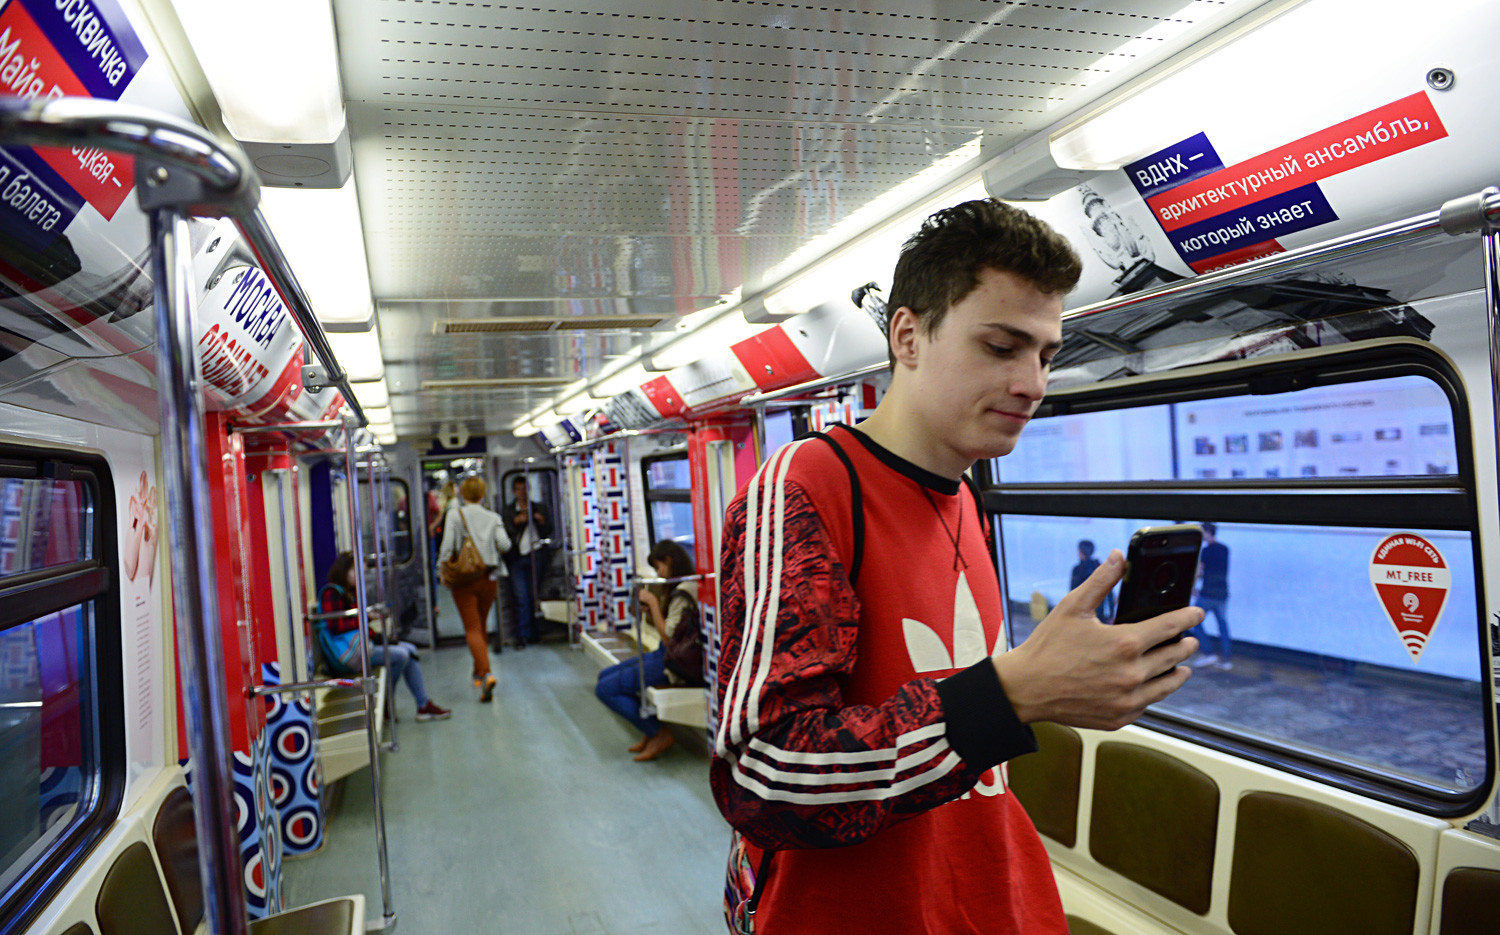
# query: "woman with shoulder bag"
{"points": [[469, 529], [668, 608]]}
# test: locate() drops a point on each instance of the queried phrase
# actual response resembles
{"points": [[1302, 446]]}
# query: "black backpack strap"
{"points": [[856, 505], [984, 518]]}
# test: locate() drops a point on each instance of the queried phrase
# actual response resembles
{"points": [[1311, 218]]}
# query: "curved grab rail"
{"points": [[219, 181]]}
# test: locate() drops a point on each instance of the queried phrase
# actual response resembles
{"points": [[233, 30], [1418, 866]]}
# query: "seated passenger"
{"points": [[663, 606], [339, 594]]}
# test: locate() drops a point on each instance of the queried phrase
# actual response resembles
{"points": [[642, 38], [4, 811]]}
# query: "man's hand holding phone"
{"points": [[1075, 670]]}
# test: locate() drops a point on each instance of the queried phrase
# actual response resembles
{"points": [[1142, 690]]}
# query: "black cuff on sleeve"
{"points": [[982, 726]]}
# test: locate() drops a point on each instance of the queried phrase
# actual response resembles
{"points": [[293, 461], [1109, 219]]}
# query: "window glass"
{"points": [[1397, 426], [668, 474], [1319, 661], [46, 753], [672, 519], [40, 524], [779, 429], [400, 521]]}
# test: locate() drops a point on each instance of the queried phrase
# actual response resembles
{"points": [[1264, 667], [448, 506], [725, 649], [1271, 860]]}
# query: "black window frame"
{"points": [[1438, 502], [26, 597], [662, 494]]}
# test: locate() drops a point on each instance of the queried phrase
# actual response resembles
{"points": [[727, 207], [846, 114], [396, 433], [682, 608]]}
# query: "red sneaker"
{"points": [[431, 712]]}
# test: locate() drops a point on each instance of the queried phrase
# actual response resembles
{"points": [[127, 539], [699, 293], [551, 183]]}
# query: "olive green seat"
{"points": [[1155, 820], [1471, 898], [1046, 782], [1302, 866]]}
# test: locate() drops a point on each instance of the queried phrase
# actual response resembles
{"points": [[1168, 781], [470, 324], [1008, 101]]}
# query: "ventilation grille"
{"points": [[536, 323]]}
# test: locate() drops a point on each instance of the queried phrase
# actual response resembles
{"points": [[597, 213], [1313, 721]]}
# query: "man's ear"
{"points": [[905, 331]]}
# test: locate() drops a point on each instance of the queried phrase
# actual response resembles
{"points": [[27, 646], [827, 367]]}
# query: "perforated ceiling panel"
{"points": [[641, 157]]}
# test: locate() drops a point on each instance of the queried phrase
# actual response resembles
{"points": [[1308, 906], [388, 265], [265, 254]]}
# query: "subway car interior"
{"points": [[377, 375]]}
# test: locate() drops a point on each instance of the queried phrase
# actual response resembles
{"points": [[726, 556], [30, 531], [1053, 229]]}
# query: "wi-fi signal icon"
{"points": [[1415, 641]]}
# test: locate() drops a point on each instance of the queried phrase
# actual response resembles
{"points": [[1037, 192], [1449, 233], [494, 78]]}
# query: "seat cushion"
{"points": [[1155, 820], [176, 840], [1046, 782], [334, 917], [1302, 866], [131, 901], [1471, 897]]}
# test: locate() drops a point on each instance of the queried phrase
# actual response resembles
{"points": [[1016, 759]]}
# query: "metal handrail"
{"points": [[260, 691], [363, 609], [220, 181], [288, 428], [376, 610], [811, 386]]}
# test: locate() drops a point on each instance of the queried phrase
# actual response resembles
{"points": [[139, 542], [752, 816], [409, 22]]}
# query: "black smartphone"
{"points": [[1161, 565]]}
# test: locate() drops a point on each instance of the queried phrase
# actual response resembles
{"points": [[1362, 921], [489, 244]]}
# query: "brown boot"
{"points": [[639, 745], [657, 744]]}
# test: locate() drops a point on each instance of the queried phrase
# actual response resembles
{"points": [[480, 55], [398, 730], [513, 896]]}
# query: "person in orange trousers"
{"points": [[475, 598]]}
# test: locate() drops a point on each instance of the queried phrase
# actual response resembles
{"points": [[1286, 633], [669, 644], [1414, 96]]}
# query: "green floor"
{"points": [[526, 815]]}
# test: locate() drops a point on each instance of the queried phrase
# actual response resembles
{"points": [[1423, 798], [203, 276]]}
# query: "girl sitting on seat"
{"points": [[338, 595]]}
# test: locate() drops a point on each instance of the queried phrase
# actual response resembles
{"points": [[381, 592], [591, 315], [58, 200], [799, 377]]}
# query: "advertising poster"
{"points": [[69, 215]]}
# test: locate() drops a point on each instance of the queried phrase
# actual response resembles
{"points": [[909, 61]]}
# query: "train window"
{"points": [[1344, 638], [401, 521], [38, 529], [1397, 426], [669, 504], [61, 747]]}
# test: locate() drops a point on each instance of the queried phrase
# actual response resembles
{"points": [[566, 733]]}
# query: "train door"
{"points": [[548, 586]]}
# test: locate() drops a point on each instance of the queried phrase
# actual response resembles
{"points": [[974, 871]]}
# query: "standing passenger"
{"points": [[475, 599], [863, 718], [528, 523], [1213, 596]]}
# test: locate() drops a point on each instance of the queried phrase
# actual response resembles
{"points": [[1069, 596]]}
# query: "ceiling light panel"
{"points": [[642, 154]]}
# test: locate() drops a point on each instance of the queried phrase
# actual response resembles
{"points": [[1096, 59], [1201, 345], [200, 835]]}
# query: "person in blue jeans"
{"points": [[663, 606], [1213, 596], [400, 658], [528, 523]]}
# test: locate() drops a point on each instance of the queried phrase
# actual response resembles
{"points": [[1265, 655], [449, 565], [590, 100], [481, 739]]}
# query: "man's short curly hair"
{"points": [[941, 262]]}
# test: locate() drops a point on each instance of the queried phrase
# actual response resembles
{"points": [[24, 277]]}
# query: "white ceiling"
{"points": [[626, 157]]}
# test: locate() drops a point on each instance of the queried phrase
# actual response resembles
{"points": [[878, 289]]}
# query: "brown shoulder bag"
{"points": [[466, 565]]}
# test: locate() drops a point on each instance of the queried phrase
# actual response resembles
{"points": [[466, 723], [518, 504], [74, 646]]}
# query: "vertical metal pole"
{"points": [[380, 540], [298, 669], [428, 547], [536, 602], [565, 520], [200, 650], [351, 473]]}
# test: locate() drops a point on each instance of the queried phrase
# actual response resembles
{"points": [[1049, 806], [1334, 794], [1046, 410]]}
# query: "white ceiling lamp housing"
{"points": [[1139, 119], [321, 234], [700, 340], [287, 112], [380, 416], [374, 394], [359, 355], [620, 381]]}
